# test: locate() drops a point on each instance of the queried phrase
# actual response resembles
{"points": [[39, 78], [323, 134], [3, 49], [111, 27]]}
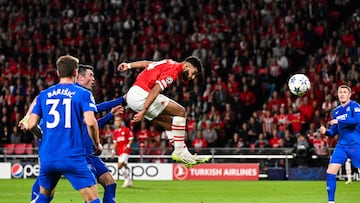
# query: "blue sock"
{"points": [[96, 201], [41, 198], [109, 194], [331, 186], [35, 189]]}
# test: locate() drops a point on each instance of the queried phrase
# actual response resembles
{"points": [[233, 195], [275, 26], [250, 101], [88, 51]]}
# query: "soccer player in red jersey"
{"points": [[123, 139], [145, 98]]}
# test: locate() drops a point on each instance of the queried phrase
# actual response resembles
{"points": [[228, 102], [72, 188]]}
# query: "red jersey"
{"points": [[274, 142], [296, 120], [163, 72], [143, 135], [199, 143], [122, 137], [320, 146]]}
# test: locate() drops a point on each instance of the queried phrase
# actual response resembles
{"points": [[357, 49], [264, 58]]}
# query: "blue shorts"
{"points": [[75, 170], [342, 153], [96, 165]]}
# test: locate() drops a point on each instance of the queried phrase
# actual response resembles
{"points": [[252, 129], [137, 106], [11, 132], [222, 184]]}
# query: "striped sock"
{"points": [[170, 137], [178, 130]]}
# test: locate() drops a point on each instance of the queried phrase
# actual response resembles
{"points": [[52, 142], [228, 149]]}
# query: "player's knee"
{"points": [[106, 179], [333, 168]]}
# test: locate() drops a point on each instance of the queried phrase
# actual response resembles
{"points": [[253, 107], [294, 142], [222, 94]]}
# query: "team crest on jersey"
{"points": [[169, 80], [92, 98]]}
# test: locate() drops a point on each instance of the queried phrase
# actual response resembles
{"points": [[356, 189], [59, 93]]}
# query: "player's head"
{"points": [[344, 93], [86, 76], [67, 66], [118, 121], [192, 67]]}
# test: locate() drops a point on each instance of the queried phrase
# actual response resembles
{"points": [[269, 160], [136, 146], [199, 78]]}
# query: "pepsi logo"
{"points": [[180, 172], [17, 170]]}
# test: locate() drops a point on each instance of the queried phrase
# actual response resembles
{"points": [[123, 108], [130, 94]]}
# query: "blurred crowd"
{"points": [[249, 48]]}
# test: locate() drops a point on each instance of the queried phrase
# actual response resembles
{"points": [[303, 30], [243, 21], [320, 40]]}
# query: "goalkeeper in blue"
{"points": [[345, 122]]}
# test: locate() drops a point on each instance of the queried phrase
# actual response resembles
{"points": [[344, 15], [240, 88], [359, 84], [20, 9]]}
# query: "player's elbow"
{"points": [[32, 122], [89, 119]]}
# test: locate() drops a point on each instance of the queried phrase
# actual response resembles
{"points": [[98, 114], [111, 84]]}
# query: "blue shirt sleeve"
{"points": [[332, 131], [103, 120], [90, 105], [109, 104], [37, 106]]}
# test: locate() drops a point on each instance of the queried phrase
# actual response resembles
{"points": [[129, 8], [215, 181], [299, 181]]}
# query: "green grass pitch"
{"points": [[18, 191]]}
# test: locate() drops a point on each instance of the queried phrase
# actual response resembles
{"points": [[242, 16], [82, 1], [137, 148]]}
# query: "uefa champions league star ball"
{"points": [[299, 84]]}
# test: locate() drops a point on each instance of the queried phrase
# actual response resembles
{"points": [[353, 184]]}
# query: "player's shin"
{"points": [[331, 186], [348, 172], [170, 136], [178, 131], [110, 193], [35, 189], [41, 198]]}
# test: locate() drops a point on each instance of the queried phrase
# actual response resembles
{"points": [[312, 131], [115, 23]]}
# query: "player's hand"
{"points": [[138, 117], [98, 149], [322, 130], [123, 67], [117, 110], [333, 122], [23, 123]]}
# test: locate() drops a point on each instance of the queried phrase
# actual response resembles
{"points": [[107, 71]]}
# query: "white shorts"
{"points": [[136, 97], [123, 158]]}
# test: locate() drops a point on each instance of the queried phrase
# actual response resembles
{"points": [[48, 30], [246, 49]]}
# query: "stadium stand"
{"points": [[29, 149], [10, 148], [241, 43], [20, 148]]}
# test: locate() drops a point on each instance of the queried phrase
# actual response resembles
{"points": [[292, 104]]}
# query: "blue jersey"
{"points": [[348, 127], [88, 143], [62, 108]]}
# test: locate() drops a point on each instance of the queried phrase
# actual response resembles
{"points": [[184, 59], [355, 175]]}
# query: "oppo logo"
{"points": [[139, 171]]}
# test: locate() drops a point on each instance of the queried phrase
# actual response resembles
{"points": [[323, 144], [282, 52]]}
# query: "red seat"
{"points": [[20, 148], [9, 148], [29, 149]]}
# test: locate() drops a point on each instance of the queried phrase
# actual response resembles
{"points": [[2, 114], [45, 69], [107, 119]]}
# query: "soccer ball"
{"points": [[299, 84]]}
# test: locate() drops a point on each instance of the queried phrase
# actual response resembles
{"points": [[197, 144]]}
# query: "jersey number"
{"points": [[55, 113]]}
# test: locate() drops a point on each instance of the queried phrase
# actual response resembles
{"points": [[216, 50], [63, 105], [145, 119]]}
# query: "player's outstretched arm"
{"points": [[137, 64], [114, 111], [110, 104]]}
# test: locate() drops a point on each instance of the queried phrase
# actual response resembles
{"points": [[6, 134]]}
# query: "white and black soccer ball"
{"points": [[299, 84]]}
